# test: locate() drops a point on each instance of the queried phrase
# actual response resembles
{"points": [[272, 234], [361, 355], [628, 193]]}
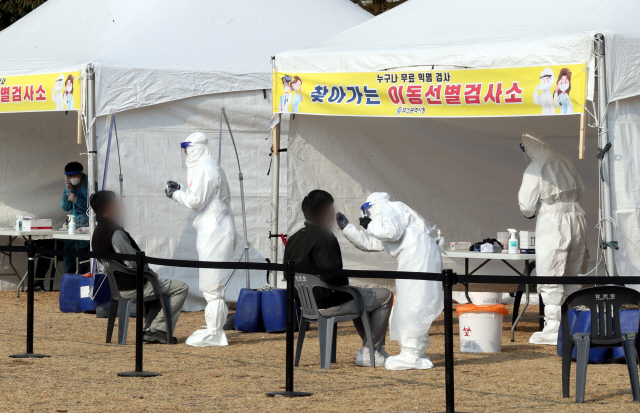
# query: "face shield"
{"points": [[366, 209], [183, 150]]}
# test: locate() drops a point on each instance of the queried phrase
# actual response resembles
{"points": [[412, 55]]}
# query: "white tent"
{"points": [[464, 174], [166, 68]]}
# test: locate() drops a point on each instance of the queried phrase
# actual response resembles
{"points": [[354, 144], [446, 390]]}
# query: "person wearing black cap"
{"points": [[74, 201]]}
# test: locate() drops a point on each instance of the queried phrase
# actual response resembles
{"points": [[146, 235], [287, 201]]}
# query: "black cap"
{"points": [[73, 168]]}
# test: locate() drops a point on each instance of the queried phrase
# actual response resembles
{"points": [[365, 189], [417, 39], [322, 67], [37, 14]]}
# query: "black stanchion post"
{"points": [[140, 264], [30, 304], [448, 280], [289, 273]]}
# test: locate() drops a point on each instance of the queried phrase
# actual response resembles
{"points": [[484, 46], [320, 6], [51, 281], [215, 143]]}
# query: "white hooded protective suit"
{"points": [[207, 192], [552, 187], [406, 236]]}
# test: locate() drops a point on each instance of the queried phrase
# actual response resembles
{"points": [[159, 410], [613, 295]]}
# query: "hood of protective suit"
{"points": [[377, 200], [534, 144], [198, 150]]}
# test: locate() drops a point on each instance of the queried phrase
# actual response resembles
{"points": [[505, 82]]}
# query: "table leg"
{"points": [[527, 273], [466, 285], [77, 258]]}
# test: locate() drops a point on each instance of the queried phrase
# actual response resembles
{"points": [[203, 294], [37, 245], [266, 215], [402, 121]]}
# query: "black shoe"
{"points": [[38, 288], [157, 337]]}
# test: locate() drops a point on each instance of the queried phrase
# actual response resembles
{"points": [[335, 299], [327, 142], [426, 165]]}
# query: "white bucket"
{"points": [[486, 298], [480, 332]]}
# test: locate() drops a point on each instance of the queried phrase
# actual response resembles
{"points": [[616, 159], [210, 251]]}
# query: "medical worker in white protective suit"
{"points": [[397, 229], [552, 187], [208, 194]]}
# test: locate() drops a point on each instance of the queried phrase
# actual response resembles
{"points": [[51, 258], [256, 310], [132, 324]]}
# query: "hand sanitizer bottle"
{"points": [[513, 242]]}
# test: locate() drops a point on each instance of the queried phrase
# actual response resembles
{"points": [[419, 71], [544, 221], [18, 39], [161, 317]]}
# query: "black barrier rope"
{"points": [[448, 279], [11, 248]]}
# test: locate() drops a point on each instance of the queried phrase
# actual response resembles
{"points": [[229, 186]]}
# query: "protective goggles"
{"points": [[366, 209], [547, 76], [73, 173], [522, 147], [185, 144]]}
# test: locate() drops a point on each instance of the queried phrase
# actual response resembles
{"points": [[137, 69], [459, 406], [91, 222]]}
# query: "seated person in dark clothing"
{"points": [[109, 236], [316, 246]]}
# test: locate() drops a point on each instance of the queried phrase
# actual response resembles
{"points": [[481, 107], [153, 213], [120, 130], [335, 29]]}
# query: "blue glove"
{"points": [[342, 220], [173, 184], [364, 222]]}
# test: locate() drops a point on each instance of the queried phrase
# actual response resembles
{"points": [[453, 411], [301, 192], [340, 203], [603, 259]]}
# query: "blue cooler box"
{"points": [[580, 322], [70, 293], [93, 292]]}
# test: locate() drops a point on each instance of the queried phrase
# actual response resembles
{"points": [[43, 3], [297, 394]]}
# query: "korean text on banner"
{"points": [[34, 93], [520, 91]]}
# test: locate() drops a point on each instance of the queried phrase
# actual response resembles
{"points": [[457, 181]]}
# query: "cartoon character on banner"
{"points": [[67, 101], [542, 95], [58, 95], [296, 86], [561, 98], [285, 99]]}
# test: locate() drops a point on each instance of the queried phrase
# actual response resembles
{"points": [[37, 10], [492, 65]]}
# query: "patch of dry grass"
{"points": [[81, 374]]}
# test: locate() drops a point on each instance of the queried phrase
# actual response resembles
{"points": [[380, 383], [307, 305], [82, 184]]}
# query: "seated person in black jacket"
{"points": [[316, 246], [109, 236]]}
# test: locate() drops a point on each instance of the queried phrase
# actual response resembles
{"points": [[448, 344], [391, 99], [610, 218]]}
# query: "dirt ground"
{"points": [[80, 375]]}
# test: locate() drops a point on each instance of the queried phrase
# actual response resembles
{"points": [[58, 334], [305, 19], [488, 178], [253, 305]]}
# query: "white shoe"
{"points": [[363, 359], [548, 336], [408, 362]]}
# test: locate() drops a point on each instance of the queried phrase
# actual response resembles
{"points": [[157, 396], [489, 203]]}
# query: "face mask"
{"points": [[74, 181], [563, 87], [545, 86], [69, 89]]}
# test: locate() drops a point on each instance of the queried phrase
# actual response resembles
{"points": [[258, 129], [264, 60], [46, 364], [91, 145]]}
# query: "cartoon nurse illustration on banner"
{"points": [[560, 98], [63, 92], [292, 95]]}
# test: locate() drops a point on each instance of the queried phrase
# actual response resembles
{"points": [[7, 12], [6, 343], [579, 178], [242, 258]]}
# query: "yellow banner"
{"points": [[34, 93], [521, 91]]}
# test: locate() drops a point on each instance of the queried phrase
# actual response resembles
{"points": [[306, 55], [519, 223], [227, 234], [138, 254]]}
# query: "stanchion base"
{"points": [[29, 356], [139, 374], [289, 394]]}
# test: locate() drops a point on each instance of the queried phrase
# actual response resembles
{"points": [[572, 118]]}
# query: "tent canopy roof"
{"points": [[152, 51], [476, 34]]}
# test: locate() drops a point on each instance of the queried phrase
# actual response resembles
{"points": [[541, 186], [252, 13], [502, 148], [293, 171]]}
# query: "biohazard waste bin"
{"points": [[481, 327]]}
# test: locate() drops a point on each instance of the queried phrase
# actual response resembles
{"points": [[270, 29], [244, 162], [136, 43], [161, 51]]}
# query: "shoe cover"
{"points": [[411, 355], [215, 315], [548, 336], [363, 359]]}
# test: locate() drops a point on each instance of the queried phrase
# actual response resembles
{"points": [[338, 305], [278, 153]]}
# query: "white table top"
{"points": [[48, 233], [38, 232], [489, 255], [76, 237]]}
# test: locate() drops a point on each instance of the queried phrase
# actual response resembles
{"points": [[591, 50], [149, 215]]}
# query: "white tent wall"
{"points": [[34, 148], [151, 155], [462, 175], [624, 135]]}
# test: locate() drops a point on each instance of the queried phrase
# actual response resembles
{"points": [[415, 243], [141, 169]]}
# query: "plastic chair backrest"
{"points": [[304, 284], [110, 267], [604, 303]]}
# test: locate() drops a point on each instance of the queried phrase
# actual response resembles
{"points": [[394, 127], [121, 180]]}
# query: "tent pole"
{"points": [[92, 144], [603, 133], [275, 200]]}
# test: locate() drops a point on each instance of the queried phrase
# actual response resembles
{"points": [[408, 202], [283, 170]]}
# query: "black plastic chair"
{"points": [[121, 307], [327, 326], [604, 303]]}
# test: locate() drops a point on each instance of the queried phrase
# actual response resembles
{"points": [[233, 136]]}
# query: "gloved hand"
{"points": [[531, 217], [173, 184], [342, 220], [71, 197], [169, 192], [364, 222], [67, 184]]}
